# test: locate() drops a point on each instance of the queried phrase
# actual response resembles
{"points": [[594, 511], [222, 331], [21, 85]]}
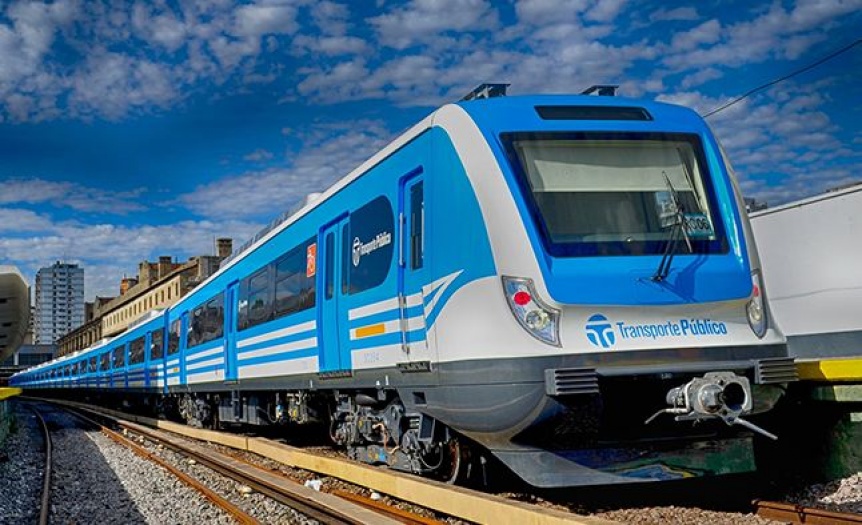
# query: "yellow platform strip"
{"points": [[6, 393], [830, 370]]}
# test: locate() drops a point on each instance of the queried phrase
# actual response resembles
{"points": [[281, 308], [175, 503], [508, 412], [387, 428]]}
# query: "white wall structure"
{"points": [[14, 310], [811, 252], [59, 298]]}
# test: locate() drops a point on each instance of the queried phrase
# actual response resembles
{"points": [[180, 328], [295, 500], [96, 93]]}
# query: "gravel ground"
{"points": [[97, 481], [844, 495], [682, 515], [259, 506], [22, 460]]}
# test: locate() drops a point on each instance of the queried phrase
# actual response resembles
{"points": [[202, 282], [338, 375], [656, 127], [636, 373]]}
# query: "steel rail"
{"points": [[45, 503], [791, 513], [403, 516], [460, 502], [323, 507], [238, 514], [254, 477], [400, 515]]}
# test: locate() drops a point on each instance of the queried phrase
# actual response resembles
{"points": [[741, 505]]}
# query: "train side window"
{"points": [[136, 351], [255, 299], [105, 361], [192, 330], [119, 356], [330, 265], [174, 337], [417, 226], [294, 287], [207, 322], [157, 344], [371, 228], [93, 364]]}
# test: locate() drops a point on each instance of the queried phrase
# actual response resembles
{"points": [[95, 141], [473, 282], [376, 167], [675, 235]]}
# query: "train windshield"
{"points": [[617, 194]]}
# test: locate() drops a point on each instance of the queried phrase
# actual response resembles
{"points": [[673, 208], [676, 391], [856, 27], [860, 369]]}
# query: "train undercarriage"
{"points": [[622, 429], [374, 428]]}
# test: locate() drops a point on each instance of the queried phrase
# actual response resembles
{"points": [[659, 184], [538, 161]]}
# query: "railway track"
{"points": [[790, 513], [457, 502], [322, 507], [454, 501], [211, 495], [45, 500]]}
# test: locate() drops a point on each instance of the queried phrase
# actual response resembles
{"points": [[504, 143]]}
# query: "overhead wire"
{"points": [[809, 67]]}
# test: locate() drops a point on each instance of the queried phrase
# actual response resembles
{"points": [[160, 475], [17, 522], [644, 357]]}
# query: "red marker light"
{"points": [[521, 298], [756, 291]]}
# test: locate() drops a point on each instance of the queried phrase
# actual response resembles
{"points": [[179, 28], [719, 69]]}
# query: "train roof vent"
{"points": [[602, 90], [486, 91], [592, 113]]}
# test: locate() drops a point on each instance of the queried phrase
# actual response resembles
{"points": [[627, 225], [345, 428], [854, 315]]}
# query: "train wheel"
{"points": [[458, 466]]}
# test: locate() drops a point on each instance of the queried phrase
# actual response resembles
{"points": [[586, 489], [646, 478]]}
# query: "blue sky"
{"points": [[130, 130]]}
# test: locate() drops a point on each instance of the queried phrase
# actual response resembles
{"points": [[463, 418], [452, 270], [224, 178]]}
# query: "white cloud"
{"points": [[111, 84], [69, 195], [94, 247], [782, 145], [422, 21], [329, 153], [17, 221], [700, 77], [163, 29], [330, 17], [258, 155], [331, 45], [254, 20], [605, 10], [545, 12], [679, 13], [779, 32], [706, 33]]}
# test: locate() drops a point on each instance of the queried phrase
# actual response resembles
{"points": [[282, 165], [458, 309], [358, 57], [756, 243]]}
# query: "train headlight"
{"points": [[539, 319], [756, 308]]}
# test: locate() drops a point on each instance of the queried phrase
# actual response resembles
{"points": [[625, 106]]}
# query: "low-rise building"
{"points": [[158, 285]]}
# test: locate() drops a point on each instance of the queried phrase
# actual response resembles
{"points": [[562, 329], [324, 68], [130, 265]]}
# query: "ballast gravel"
{"points": [[682, 515], [261, 507], [97, 481], [22, 461], [843, 495]]}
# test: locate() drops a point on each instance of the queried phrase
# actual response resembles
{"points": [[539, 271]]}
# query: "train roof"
{"points": [[507, 112], [492, 113]]}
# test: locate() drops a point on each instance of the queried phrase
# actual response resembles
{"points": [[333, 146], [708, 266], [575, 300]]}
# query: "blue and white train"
{"points": [[568, 284]]}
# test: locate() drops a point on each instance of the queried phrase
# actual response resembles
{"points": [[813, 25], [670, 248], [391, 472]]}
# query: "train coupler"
{"points": [[722, 395]]}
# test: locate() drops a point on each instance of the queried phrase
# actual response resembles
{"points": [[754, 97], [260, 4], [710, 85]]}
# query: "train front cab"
{"points": [[638, 345]]}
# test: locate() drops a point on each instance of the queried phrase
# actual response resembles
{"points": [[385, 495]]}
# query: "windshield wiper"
{"points": [[679, 230]]}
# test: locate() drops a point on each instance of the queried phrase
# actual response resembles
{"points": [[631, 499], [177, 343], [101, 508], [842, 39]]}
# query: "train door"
{"points": [[184, 332], [230, 313], [148, 355], [334, 350], [126, 366], [411, 264]]}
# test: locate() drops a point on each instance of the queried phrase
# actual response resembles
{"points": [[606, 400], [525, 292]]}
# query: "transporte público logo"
{"points": [[604, 333]]}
